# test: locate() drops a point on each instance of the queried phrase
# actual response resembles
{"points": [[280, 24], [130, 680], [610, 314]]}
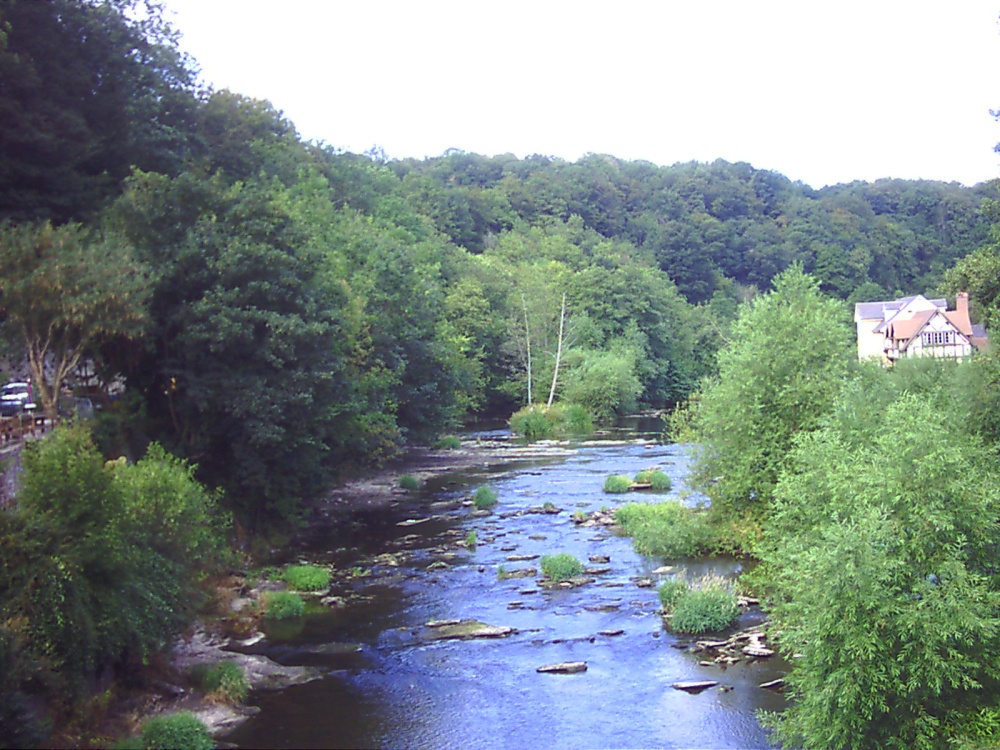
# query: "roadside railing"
{"points": [[19, 426]]}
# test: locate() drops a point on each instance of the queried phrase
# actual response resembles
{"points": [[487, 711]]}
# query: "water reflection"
{"points": [[387, 687]]}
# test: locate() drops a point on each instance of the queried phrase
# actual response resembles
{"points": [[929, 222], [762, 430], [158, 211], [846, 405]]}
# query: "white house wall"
{"points": [[870, 343]]}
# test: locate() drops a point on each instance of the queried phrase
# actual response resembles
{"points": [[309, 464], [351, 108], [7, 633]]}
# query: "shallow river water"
{"points": [[385, 686]]}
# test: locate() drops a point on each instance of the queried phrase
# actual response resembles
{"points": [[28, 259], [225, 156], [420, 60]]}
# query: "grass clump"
{"points": [[670, 592], [307, 578], [657, 479], [283, 605], [537, 422], [471, 539], [171, 732], [617, 484], [484, 498], [667, 529], [707, 604], [224, 682], [409, 482], [448, 443], [561, 567]]}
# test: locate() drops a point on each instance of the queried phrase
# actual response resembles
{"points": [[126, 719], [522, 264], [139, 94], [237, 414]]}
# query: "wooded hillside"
{"points": [[303, 311]]}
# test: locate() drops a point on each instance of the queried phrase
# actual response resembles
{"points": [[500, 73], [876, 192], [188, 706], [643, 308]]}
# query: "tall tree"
{"points": [[65, 289], [243, 367], [883, 552], [788, 354]]}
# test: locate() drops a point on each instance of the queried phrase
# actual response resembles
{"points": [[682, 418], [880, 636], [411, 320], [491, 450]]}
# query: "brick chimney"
{"points": [[960, 317], [962, 304]]}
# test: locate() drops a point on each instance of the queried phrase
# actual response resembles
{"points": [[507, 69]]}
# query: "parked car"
{"points": [[15, 398]]}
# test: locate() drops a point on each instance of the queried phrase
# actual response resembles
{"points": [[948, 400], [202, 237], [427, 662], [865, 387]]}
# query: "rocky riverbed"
{"points": [[435, 605]]}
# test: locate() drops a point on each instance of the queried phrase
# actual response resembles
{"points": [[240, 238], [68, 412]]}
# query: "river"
{"points": [[384, 685]]}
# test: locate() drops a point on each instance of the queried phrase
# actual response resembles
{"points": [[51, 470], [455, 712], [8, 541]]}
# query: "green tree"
{"points": [[978, 274], [605, 382], [787, 356], [883, 547], [243, 367], [65, 290], [87, 91]]}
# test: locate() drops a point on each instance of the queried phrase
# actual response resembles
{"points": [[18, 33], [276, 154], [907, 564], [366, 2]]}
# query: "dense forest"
{"points": [[272, 314], [281, 311]]}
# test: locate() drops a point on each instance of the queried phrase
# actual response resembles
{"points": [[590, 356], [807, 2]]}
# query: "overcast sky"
{"points": [[823, 92]]}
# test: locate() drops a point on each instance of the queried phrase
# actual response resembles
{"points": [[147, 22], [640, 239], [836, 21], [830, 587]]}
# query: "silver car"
{"points": [[16, 398]]}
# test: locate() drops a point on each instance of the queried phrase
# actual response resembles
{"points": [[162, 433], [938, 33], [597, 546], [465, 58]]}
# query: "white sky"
{"points": [[823, 92]]}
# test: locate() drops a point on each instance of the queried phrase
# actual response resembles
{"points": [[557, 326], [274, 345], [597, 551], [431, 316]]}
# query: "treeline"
{"points": [[708, 226], [870, 498]]}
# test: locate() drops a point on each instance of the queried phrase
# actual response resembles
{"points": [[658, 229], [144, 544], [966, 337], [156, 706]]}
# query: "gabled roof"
{"points": [[905, 330], [885, 310]]}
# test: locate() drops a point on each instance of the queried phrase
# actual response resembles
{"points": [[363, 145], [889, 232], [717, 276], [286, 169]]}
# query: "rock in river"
{"points": [[566, 667], [465, 630], [694, 686]]}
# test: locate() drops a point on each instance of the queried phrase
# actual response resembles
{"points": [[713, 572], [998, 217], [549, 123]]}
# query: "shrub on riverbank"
{"points": [[484, 498], [170, 732], [102, 561], [667, 529], [409, 482], [560, 567], [707, 604], [283, 605], [307, 578], [224, 682], [448, 443]]}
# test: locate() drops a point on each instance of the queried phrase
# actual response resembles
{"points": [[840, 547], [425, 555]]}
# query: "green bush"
{"points": [[617, 484], [448, 443], [708, 604], [667, 529], [409, 482], [225, 682], [537, 422], [484, 498], [656, 479], [282, 605], [532, 424], [471, 540], [307, 578], [560, 567], [670, 592], [181, 730], [101, 560], [170, 511]]}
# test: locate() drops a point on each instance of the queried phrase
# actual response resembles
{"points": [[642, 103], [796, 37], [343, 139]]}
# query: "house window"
{"points": [[938, 338]]}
